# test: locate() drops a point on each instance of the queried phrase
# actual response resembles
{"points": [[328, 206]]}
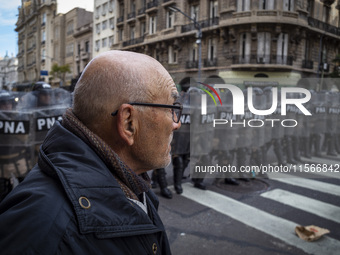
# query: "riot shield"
{"points": [[16, 154], [181, 140], [244, 138], [257, 127], [43, 120], [320, 112], [62, 97], [201, 131], [225, 135]]}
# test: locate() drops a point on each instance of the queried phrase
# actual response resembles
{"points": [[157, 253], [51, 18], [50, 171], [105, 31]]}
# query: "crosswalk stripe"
{"points": [[306, 183], [307, 204], [260, 220]]}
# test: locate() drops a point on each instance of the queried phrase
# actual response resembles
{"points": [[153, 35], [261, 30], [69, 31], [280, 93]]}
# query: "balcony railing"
{"points": [[131, 15], [85, 55], [204, 23], [323, 26], [262, 59], [152, 4], [210, 62], [141, 11], [133, 41], [120, 19], [192, 64], [308, 64]]}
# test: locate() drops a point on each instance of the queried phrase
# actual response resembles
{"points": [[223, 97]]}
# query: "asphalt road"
{"points": [[256, 217]]}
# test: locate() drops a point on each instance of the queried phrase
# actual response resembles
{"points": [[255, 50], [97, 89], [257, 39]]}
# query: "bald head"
{"points": [[114, 78]]}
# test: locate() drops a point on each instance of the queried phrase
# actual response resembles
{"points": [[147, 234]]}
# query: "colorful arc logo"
{"points": [[213, 90]]}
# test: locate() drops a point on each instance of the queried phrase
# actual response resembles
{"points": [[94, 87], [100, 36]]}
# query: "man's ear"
{"points": [[126, 122]]}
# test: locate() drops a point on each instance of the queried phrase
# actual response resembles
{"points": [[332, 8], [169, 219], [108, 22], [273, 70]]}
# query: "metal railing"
{"points": [[131, 15], [210, 62], [203, 23], [308, 64], [133, 41], [192, 64], [323, 26], [152, 4], [262, 59]]}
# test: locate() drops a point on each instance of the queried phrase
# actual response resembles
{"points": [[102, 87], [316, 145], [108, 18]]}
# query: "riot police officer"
{"points": [[7, 102], [159, 177]]}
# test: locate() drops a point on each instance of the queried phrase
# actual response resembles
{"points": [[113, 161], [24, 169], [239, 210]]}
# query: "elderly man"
{"points": [[89, 192]]}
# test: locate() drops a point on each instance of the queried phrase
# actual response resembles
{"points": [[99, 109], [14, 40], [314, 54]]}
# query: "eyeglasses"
{"points": [[176, 109]]}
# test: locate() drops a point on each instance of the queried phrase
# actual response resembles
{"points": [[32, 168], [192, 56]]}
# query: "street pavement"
{"points": [[257, 217]]}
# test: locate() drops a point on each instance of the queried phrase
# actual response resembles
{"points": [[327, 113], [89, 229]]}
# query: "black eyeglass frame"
{"points": [[176, 105]]}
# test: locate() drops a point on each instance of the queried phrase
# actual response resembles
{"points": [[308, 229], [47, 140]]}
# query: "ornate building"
{"points": [[35, 39], [261, 42], [45, 38]]}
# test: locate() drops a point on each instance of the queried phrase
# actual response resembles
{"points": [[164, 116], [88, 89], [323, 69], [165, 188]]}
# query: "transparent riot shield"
{"points": [[257, 125], [16, 154], [181, 140], [62, 97], [225, 136], [244, 138], [201, 132], [43, 120], [320, 112]]}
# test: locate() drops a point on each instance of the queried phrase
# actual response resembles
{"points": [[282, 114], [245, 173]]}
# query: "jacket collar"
{"points": [[97, 199]]}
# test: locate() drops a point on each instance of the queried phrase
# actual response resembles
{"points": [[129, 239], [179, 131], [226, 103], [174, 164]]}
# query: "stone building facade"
{"points": [[45, 38], [261, 42]]}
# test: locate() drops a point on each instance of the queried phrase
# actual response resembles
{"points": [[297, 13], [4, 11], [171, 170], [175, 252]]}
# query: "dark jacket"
{"points": [[70, 203]]}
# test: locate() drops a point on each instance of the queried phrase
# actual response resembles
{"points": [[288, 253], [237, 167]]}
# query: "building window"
{"points": [[152, 24], [172, 55], [112, 23], [288, 5], [245, 44], [213, 9], [120, 34], [263, 47], [104, 10], [98, 28], [104, 42], [97, 45], [193, 53], [69, 28], [104, 24], [111, 6], [43, 36], [121, 9], [267, 4], [326, 13], [111, 40], [211, 49], [97, 12], [194, 12], [243, 5], [282, 49], [310, 8], [169, 19], [87, 46], [142, 28], [43, 19], [132, 32], [43, 54], [133, 6]]}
